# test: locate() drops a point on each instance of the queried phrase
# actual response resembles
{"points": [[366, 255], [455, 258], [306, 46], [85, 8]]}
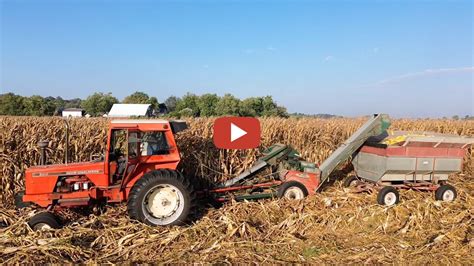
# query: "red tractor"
{"points": [[139, 167]]}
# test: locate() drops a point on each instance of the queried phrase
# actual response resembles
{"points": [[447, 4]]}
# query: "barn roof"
{"points": [[125, 110], [73, 109]]}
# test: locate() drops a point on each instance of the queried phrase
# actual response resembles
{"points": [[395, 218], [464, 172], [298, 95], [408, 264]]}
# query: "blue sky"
{"points": [[405, 58]]}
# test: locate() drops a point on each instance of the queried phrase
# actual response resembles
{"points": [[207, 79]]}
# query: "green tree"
{"points": [[50, 105], [207, 104], [35, 105], [73, 103], [251, 107], [228, 105], [186, 112], [59, 105], [189, 101], [141, 98], [270, 108], [99, 103], [12, 104], [171, 103], [137, 97], [153, 101]]}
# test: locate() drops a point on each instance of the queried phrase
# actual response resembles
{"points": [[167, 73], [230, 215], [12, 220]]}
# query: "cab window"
{"points": [[118, 143], [133, 144], [153, 143]]}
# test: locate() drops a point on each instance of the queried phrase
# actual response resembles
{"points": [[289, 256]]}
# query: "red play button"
{"points": [[236, 133]]}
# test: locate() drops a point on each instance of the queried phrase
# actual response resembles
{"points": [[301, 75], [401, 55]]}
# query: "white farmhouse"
{"points": [[72, 112], [129, 110]]}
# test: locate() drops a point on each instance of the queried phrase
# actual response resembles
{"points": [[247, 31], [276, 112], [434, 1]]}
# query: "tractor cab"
{"points": [[127, 146], [140, 142], [134, 148]]}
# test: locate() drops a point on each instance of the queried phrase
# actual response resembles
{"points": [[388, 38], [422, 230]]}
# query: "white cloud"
{"points": [[426, 72], [328, 58], [376, 50], [271, 48], [205, 66]]}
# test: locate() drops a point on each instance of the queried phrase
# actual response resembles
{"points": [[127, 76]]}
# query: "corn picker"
{"points": [[139, 167]]}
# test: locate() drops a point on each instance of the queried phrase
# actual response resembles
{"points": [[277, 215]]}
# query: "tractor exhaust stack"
{"points": [[66, 152], [42, 144]]}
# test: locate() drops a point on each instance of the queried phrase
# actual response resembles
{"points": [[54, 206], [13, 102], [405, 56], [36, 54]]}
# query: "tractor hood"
{"points": [[70, 169], [43, 179]]}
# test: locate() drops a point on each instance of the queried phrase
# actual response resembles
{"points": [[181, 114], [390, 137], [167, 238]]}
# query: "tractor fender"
{"points": [[142, 171]]}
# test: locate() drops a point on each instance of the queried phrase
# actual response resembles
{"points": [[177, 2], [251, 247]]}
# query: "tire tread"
{"points": [[384, 191], [440, 191], [134, 206], [44, 217], [283, 187]]}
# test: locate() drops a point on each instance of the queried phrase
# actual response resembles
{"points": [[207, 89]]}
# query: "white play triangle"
{"points": [[236, 132]]}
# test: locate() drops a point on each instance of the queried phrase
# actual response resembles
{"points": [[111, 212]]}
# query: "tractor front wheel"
{"points": [[161, 197], [44, 221]]}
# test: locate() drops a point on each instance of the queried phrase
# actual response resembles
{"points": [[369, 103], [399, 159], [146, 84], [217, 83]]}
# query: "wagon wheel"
{"points": [[388, 196], [351, 181], [446, 193]]}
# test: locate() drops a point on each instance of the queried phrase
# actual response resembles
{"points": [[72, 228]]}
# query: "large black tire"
{"points": [[350, 181], [292, 190], [44, 221], [166, 187], [446, 193], [388, 196]]}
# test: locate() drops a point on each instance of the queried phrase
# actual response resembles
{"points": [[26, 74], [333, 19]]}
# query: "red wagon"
{"points": [[416, 160]]}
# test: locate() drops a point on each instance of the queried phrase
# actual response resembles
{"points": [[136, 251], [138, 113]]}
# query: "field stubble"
{"points": [[335, 226]]}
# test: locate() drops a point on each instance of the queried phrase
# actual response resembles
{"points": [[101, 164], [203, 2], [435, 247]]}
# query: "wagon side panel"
{"points": [[370, 166]]}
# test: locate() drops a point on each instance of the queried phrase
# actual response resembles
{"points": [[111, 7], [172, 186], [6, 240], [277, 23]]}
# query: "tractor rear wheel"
{"points": [[44, 221], [162, 197], [292, 190]]}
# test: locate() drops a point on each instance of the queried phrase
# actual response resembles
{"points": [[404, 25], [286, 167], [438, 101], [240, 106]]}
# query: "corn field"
{"points": [[335, 226]]}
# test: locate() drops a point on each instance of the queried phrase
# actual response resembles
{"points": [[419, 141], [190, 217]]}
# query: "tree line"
{"points": [[189, 105]]}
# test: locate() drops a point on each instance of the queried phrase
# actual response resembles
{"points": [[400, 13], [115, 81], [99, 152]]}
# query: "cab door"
{"points": [[133, 153], [117, 155]]}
